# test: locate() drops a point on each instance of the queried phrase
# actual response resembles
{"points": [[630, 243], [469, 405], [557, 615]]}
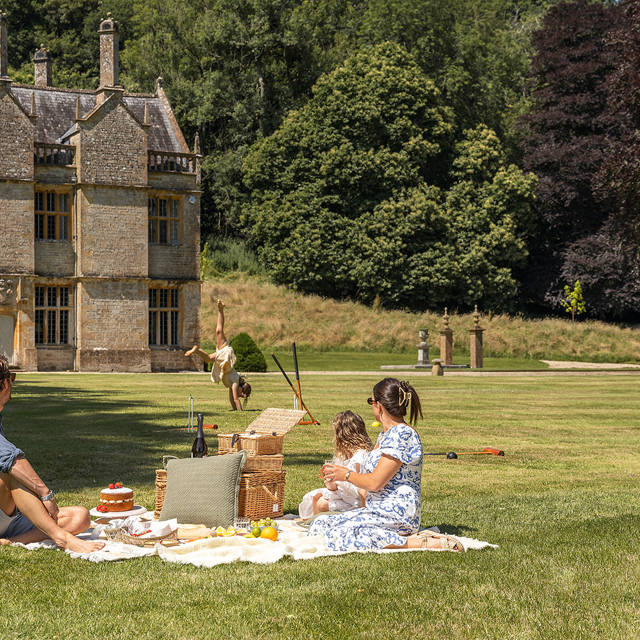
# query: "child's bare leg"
{"points": [[220, 337], [320, 504]]}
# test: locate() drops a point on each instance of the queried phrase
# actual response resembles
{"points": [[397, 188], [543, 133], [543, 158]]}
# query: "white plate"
{"points": [[136, 511]]}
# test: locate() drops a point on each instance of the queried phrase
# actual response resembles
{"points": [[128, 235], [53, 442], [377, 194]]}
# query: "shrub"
{"points": [[227, 255], [249, 357]]}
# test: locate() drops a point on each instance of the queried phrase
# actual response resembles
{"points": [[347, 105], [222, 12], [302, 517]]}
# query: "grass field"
{"points": [[562, 504], [275, 317]]}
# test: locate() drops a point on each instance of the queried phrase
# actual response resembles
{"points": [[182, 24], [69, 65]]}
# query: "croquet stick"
{"points": [[487, 451], [295, 364], [286, 377]]}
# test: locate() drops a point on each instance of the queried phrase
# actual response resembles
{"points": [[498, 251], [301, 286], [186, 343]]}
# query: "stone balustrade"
{"points": [[173, 162], [46, 153]]}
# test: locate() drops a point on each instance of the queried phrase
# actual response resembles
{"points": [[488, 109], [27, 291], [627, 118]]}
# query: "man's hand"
{"points": [[52, 507]]}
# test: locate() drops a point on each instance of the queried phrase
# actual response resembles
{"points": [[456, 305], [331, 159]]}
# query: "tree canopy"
{"points": [[361, 194]]}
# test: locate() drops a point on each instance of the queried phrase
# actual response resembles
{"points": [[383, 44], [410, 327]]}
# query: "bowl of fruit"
{"points": [[265, 528]]}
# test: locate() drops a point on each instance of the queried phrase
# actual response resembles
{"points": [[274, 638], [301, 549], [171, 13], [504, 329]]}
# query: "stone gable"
{"points": [[113, 147]]}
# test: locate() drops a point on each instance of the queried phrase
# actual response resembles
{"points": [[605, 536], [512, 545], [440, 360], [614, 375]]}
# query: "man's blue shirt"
{"points": [[8, 452]]}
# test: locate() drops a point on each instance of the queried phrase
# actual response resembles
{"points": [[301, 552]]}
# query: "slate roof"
{"points": [[56, 110]]}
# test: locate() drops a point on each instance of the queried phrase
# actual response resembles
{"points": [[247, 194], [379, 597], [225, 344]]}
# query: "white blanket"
{"points": [[293, 541]]}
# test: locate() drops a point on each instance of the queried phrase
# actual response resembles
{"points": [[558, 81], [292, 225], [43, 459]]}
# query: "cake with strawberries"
{"points": [[115, 498]]}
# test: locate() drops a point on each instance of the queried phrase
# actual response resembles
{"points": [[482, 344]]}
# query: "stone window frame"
{"points": [[51, 222], [173, 205], [164, 328], [53, 321]]}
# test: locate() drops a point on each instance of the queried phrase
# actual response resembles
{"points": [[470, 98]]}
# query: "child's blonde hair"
{"points": [[350, 435]]}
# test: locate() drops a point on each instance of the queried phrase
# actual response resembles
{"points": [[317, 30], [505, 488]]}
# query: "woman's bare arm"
{"points": [[374, 481]]}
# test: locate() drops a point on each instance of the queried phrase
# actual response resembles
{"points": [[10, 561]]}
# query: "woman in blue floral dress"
{"points": [[391, 476]]}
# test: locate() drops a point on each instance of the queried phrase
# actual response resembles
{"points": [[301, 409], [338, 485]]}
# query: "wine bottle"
{"points": [[199, 448]]}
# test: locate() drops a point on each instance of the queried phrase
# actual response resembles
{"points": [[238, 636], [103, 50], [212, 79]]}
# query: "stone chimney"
{"points": [[42, 64], [4, 57], [109, 63]]}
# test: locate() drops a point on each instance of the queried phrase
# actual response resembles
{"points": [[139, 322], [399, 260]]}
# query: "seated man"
{"points": [[28, 509]]}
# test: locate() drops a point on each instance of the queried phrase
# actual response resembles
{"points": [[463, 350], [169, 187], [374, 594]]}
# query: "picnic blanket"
{"points": [[293, 541]]}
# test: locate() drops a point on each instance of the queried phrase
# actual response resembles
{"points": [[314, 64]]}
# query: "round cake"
{"points": [[116, 499]]}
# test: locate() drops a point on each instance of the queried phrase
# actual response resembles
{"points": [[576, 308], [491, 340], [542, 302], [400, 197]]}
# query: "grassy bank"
{"points": [[562, 504], [275, 317]]}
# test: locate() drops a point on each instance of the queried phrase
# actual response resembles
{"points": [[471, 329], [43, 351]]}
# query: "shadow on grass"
{"points": [[454, 529], [77, 438]]}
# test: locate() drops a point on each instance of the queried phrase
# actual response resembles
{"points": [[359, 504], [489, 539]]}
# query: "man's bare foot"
{"points": [[4, 541], [82, 546], [191, 351]]}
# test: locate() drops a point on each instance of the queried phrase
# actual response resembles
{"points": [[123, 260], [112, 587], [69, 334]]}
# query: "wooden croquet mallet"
{"points": [[295, 391], [452, 455]]}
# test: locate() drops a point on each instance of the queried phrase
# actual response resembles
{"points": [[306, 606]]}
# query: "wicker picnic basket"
{"points": [[262, 463], [255, 444], [261, 494], [264, 436]]}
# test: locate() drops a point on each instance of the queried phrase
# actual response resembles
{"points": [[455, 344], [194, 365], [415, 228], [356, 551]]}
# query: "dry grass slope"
{"points": [[275, 316]]}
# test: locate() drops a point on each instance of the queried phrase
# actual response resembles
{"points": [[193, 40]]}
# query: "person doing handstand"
{"points": [[351, 445], [223, 363], [28, 509]]}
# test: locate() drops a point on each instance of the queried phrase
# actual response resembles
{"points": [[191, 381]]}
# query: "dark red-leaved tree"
{"points": [[609, 260], [567, 135]]}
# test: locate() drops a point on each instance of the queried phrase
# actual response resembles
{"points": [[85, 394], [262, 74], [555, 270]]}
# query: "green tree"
{"points": [[573, 302], [349, 197]]}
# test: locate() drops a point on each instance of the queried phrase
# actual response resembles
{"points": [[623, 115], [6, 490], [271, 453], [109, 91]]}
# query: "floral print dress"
{"points": [[391, 513]]}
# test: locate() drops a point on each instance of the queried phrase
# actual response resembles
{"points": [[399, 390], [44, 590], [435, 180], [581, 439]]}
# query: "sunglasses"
{"points": [[10, 376], [371, 400]]}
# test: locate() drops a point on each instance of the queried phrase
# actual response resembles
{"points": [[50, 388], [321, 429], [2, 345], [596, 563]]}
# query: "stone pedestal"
{"points": [[423, 348], [446, 341], [475, 341], [446, 346], [475, 347], [436, 369]]}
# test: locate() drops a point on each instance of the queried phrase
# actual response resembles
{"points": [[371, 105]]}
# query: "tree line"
{"points": [[409, 153]]}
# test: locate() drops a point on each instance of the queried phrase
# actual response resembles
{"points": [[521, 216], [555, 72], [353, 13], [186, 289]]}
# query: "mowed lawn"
{"points": [[563, 504]]}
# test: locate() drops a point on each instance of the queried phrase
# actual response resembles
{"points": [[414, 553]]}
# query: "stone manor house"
{"points": [[99, 224]]}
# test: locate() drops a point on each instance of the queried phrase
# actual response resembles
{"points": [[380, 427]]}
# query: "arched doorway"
{"points": [[7, 328]]}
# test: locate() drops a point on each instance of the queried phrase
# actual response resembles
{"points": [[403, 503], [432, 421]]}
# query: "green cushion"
{"points": [[203, 490]]}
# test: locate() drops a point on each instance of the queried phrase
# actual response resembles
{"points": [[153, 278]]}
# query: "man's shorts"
{"points": [[18, 526]]}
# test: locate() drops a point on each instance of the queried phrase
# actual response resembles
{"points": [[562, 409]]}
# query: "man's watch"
{"points": [[49, 496], [346, 477]]}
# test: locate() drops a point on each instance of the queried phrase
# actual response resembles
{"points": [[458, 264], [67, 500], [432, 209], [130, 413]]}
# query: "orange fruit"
{"points": [[270, 533]]}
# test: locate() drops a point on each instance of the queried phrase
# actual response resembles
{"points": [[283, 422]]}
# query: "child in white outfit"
{"points": [[351, 446]]}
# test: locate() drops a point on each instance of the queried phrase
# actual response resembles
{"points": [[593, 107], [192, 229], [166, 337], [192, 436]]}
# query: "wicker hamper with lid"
{"points": [[264, 436]]}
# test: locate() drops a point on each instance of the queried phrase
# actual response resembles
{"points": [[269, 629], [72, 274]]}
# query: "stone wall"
{"points": [[16, 140], [16, 238], [112, 147], [112, 327], [113, 232], [54, 258], [58, 358]]}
